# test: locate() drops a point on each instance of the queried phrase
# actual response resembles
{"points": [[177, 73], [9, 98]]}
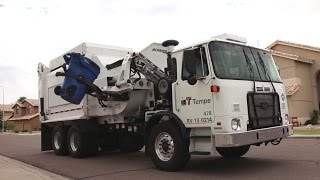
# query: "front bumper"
{"points": [[252, 137]]}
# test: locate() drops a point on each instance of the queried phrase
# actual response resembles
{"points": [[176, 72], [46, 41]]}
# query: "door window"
{"points": [[194, 64]]}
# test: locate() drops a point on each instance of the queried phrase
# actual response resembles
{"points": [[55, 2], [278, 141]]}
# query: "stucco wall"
{"points": [[28, 125], [305, 100], [286, 66], [301, 103]]}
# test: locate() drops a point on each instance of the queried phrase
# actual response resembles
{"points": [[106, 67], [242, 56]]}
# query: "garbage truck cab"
{"points": [[217, 96], [230, 95]]}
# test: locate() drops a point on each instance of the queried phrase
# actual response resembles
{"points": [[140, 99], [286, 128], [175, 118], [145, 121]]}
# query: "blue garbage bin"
{"points": [[73, 90]]}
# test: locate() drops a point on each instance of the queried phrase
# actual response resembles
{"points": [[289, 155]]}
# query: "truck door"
{"points": [[192, 90]]}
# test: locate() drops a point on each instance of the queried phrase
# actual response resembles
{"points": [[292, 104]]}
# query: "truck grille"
{"points": [[264, 110]]}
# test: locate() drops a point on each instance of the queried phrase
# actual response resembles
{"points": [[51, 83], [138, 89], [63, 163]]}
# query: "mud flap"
{"points": [[46, 133]]}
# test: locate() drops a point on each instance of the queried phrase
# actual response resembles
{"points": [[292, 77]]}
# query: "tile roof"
{"points": [[33, 102], [7, 108], [19, 104], [291, 56], [287, 43], [6, 117], [23, 117]]}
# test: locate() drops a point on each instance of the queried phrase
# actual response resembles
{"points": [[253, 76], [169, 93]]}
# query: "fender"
{"points": [[156, 118]]}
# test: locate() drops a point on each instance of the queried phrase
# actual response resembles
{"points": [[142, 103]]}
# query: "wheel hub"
{"points": [[74, 142], [56, 140], [164, 146]]}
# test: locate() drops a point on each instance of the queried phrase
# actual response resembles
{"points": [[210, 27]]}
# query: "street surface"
{"points": [[292, 159]]}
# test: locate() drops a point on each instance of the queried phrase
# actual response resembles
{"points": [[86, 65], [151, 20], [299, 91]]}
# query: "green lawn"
{"points": [[306, 131]]}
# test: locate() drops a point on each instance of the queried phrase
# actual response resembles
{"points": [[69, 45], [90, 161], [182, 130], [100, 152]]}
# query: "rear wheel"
{"points": [[82, 144], [75, 142], [233, 152], [59, 140], [167, 149]]}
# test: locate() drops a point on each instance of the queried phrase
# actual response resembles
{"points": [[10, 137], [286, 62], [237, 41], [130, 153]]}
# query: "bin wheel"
{"points": [[233, 152], [59, 140], [167, 149]]}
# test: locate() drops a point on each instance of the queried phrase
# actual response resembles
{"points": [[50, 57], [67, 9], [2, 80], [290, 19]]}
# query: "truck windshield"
{"points": [[230, 62]]}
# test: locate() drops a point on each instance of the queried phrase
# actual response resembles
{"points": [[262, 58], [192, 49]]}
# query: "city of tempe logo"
{"points": [[191, 101]]}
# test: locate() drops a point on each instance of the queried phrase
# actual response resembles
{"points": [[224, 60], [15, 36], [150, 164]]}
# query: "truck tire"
{"points": [[233, 152], [131, 143], [167, 149], [75, 142], [59, 140]]}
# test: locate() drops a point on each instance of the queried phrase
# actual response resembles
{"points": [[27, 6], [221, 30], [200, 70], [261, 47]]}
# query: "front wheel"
{"points": [[167, 149], [233, 152]]}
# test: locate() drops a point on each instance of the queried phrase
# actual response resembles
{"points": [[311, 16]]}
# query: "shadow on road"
{"points": [[218, 165]]}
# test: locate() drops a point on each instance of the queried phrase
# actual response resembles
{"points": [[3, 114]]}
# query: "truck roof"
{"points": [[222, 38]]}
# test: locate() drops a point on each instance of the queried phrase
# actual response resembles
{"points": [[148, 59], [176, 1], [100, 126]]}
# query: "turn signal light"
{"points": [[214, 88]]}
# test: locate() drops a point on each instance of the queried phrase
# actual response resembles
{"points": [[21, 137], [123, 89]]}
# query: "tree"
{"points": [[21, 98]]}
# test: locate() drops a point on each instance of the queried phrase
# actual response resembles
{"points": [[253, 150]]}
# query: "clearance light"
{"points": [[214, 88]]}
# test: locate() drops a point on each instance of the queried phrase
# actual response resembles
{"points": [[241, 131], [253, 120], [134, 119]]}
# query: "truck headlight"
{"points": [[235, 124]]}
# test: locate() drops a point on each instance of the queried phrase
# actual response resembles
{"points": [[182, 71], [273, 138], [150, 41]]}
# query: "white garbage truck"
{"points": [[217, 96]]}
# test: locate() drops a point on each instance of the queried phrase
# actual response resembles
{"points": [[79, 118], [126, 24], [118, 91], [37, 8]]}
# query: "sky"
{"points": [[33, 31]]}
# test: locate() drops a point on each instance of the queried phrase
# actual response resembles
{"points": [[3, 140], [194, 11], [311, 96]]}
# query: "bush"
{"points": [[24, 130], [9, 125], [314, 117], [308, 122], [16, 131]]}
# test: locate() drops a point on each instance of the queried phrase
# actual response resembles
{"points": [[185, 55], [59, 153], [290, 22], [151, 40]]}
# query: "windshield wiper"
{"points": [[265, 70], [250, 68]]}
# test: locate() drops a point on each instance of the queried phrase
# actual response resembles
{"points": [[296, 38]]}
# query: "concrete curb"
{"points": [[304, 137], [22, 133], [13, 169]]}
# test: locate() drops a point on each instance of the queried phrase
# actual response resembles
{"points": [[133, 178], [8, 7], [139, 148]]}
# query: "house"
{"points": [[299, 67], [25, 115], [8, 111]]}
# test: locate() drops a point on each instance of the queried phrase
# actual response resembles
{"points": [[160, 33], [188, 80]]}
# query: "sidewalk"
{"points": [[13, 169]]}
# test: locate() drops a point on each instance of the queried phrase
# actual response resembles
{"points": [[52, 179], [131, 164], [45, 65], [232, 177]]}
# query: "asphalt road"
{"points": [[292, 159]]}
